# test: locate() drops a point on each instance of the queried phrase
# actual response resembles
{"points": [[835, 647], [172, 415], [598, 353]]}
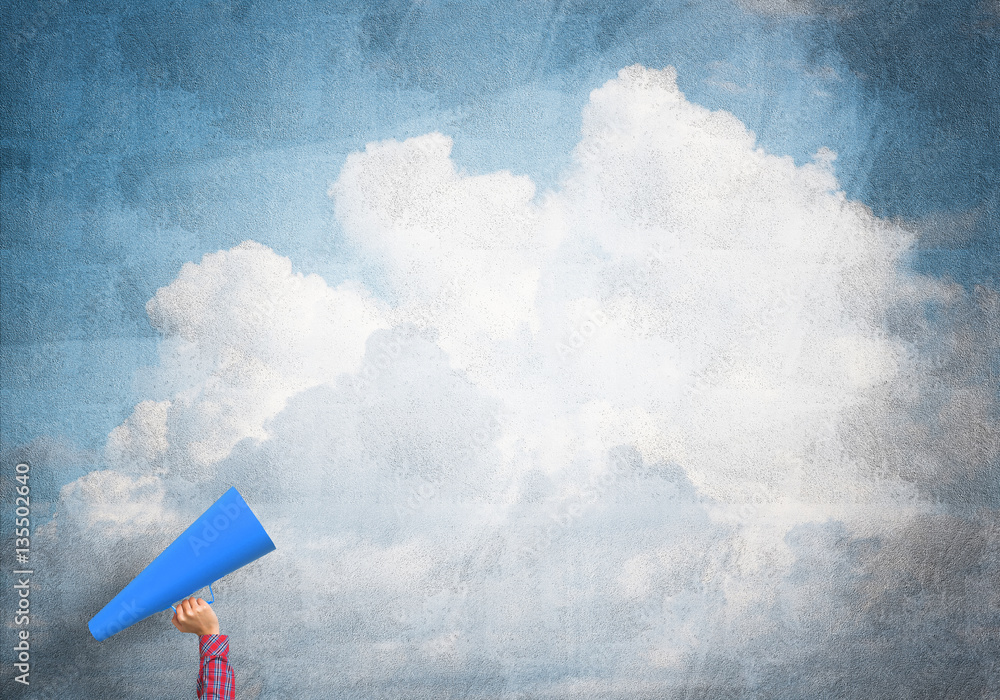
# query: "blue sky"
{"points": [[591, 394], [139, 137]]}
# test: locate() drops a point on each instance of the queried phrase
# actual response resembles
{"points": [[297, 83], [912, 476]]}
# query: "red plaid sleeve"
{"points": [[215, 678]]}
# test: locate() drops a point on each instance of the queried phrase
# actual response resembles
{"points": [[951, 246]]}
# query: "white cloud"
{"points": [[243, 334], [462, 252], [110, 500], [142, 437], [599, 418]]}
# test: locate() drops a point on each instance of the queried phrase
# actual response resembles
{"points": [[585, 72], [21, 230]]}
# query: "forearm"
{"points": [[215, 677]]}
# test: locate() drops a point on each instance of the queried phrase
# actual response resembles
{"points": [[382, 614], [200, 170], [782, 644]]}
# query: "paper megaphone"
{"points": [[226, 537]]}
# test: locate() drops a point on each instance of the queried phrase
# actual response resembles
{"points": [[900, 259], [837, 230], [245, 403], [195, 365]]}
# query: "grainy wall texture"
{"points": [[565, 350]]}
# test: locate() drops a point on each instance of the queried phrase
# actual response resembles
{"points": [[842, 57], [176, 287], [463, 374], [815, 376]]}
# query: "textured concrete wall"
{"points": [[682, 420]]}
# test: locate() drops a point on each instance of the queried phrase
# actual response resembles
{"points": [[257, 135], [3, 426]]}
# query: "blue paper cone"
{"points": [[225, 537]]}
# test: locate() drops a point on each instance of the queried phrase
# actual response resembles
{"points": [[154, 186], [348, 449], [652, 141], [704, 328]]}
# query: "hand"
{"points": [[196, 616]]}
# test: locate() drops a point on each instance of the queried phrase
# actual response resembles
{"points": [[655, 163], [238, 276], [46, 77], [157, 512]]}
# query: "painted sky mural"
{"points": [[565, 349]]}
